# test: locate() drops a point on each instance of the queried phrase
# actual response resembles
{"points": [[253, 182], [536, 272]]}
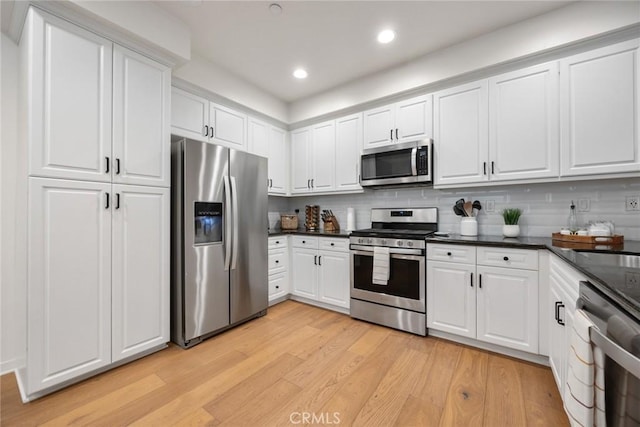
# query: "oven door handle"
{"points": [[621, 356], [368, 250]]}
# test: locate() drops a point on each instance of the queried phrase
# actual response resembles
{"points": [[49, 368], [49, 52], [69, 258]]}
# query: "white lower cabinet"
{"points": [[321, 269], [564, 284], [98, 279], [476, 299], [278, 268]]}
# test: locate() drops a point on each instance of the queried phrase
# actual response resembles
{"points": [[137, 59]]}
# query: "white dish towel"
{"points": [[584, 391], [381, 267]]}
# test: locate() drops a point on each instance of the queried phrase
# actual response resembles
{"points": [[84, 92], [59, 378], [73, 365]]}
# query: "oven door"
{"points": [[406, 286]]}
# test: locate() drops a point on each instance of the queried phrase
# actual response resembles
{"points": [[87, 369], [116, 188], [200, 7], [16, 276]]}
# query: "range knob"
{"points": [[399, 243], [384, 241], [369, 241], [360, 240], [409, 243]]}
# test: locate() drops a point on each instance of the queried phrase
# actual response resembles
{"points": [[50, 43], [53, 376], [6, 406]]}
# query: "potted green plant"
{"points": [[511, 217]]}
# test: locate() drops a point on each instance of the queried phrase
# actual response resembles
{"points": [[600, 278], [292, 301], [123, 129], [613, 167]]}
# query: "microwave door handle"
{"points": [[414, 155], [227, 221], [621, 356]]}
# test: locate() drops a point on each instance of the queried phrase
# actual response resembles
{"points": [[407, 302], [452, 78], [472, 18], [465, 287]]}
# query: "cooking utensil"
{"points": [[477, 205], [460, 205], [458, 211], [468, 208]]}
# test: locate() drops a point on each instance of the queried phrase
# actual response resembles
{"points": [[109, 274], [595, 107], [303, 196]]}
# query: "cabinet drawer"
{"points": [[277, 261], [278, 285], [456, 253], [510, 258], [305, 242], [277, 242], [340, 245]]}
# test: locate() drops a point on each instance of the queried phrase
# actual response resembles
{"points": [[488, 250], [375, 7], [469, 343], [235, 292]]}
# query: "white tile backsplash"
{"points": [[545, 206]]}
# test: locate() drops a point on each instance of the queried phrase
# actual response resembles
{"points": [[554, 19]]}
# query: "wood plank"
{"points": [[434, 383], [198, 418], [370, 340], [504, 402], [87, 414], [466, 396]]}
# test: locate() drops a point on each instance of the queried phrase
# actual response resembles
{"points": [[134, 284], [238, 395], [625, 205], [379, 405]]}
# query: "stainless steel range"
{"points": [[388, 268]]}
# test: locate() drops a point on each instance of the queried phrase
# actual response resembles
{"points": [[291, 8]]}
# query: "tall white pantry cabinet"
{"points": [[96, 130]]}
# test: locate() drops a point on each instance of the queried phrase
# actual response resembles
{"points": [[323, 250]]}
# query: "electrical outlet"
{"points": [[632, 280], [490, 206], [632, 203], [584, 205]]}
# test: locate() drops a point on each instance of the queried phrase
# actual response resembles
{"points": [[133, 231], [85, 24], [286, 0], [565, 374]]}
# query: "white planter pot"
{"points": [[511, 230]]}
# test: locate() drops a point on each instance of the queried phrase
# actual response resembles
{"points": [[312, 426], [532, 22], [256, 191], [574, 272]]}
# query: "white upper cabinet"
{"points": [[140, 278], [599, 97], [141, 122], [278, 161], [404, 121], [189, 115], [301, 145], [229, 127], [269, 141], [523, 124], [461, 139], [197, 118], [347, 153], [69, 101], [323, 156], [501, 129]]}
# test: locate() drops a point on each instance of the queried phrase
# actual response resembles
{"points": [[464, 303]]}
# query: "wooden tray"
{"points": [[614, 240]]}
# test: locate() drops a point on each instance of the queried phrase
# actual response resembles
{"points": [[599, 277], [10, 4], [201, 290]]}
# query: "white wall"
{"points": [[557, 28], [545, 206], [12, 290], [213, 78]]}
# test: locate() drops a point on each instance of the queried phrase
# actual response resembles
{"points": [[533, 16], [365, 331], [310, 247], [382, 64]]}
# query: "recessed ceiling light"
{"points": [[275, 9], [386, 36], [300, 73]]}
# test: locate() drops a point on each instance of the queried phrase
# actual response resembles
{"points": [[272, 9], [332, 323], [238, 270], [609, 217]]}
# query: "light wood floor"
{"points": [[301, 361]]}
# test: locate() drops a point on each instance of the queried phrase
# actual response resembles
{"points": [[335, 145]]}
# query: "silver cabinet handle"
{"points": [[227, 222]]}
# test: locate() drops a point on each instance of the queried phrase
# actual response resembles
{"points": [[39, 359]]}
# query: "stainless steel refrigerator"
{"points": [[219, 274]]}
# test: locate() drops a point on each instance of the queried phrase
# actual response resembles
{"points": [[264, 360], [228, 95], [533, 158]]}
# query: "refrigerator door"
{"points": [[249, 270], [205, 213]]}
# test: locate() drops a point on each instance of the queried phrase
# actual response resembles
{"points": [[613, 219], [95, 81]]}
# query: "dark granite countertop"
{"points": [[612, 281], [302, 231]]}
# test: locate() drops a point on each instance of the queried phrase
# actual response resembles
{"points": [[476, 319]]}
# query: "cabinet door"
{"points": [[278, 286], [189, 115], [451, 298], [557, 349], [523, 123], [461, 137], [69, 101], [278, 161], [230, 126], [414, 118], [258, 138], [347, 154], [140, 290], [69, 280], [141, 130], [600, 111], [378, 127], [333, 278], [305, 273], [300, 155], [508, 307], [323, 156]]}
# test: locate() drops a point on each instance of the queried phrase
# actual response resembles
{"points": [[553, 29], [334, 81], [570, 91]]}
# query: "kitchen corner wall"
{"points": [[545, 206]]}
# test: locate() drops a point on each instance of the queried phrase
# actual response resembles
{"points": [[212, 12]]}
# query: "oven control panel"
{"points": [[389, 243]]}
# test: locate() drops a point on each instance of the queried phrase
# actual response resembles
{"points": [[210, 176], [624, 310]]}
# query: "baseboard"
{"points": [[8, 366]]}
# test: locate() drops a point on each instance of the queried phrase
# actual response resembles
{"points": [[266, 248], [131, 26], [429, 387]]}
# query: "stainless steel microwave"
{"points": [[408, 163]]}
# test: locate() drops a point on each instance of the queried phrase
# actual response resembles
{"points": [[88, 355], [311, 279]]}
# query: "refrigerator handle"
{"points": [[236, 226], [227, 221]]}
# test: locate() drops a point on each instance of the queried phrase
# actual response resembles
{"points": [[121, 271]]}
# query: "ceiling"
{"points": [[334, 40]]}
